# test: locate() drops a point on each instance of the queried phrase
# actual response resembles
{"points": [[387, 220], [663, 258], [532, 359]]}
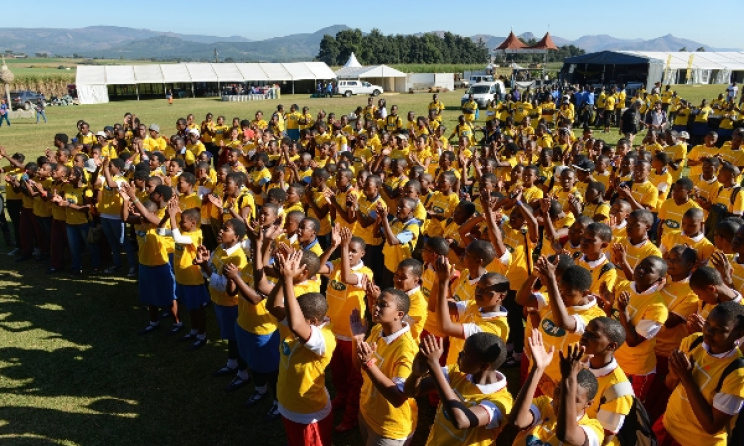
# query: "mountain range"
{"points": [[131, 43]]}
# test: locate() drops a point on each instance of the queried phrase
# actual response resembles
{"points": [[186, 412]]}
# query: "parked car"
{"points": [[350, 87], [24, 99], [483, 92]]}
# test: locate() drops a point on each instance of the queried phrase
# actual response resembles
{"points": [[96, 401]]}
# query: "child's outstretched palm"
{"points": [[571, 363], [540, 356]]}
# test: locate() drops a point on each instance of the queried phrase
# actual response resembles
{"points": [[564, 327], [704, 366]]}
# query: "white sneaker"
{"points": [[132, 272], [14, 251]]}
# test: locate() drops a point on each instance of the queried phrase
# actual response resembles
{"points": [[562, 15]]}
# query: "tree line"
{"points": [[376, 48]]}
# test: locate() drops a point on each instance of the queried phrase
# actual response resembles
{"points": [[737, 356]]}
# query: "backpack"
{"points": [[718, 212], [637, 429]]}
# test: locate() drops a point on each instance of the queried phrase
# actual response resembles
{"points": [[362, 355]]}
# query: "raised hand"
{"points": [[541, 357], [433, 349], [622, 301], [571, 363], [442, 268], [336, 237], [346, 236]]}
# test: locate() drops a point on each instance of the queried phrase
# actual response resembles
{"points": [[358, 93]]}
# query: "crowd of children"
{"points": [[415, 269]]}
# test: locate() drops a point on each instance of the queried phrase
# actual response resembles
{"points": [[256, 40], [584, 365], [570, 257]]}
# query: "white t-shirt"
{"points": [[731, 92]]}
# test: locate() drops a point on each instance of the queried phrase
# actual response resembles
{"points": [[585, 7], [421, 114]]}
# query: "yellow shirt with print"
{"points": [[614, 398], [702, 245], [679, 419], [443, 205], [77, 196], [394, 254], [670, 214], [343, 298]]}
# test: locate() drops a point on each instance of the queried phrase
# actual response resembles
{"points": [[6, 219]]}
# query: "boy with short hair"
{"points": [[640, 307], [629, 252], [483, 313], [671, 211], [400, 234], [306, 349], [601, 339], [707, 283], [190, 289], [475, 400], [387, 415], [692, 235], [594, 242], [705, 399]]}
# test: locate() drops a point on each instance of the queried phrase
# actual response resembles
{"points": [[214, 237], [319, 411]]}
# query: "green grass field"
{"points": [[73, 371]]}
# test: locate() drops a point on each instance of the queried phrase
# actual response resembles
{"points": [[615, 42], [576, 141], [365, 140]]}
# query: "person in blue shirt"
{"points": [[4, 112]]}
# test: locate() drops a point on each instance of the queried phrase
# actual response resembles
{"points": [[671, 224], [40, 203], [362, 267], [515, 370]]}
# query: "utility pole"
{"points": [[216, 55]]}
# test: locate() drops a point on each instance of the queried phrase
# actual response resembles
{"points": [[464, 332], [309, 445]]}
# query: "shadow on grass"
{"points": [[74, 371]]}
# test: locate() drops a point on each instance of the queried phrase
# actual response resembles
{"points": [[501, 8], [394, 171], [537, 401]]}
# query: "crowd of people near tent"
{"points": [[414, 263]]}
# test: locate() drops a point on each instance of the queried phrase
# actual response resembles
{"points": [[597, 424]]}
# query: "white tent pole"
{"points": [[136, 89]]}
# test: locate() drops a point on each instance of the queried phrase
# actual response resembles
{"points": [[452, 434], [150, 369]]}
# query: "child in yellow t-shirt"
{"points": [[672, 210], [400, 235], [345, 294], [638, 305], [601, 338], [692, 235], [190, 289], [156, 281], [483, 313], [473, 387], [306, 348], [540, 418], [385, 358], [229, 251], [628, 252], [697, 374]]}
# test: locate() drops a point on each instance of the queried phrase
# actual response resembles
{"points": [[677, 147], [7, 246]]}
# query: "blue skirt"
{"points": [[260, 352], [226, 318], [193, 296], [157, 286]]}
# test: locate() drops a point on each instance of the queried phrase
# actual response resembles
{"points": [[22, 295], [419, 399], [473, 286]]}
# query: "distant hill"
{"points": [[132, 43]]}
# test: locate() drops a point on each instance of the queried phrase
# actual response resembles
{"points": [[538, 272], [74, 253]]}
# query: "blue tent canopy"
{"points": [[610, 58]]}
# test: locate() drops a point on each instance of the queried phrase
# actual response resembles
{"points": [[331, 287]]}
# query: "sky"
{"points": [[570, 19]]}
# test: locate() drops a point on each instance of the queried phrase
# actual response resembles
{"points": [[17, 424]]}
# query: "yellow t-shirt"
{"points": [[647, 313], [183, 258], [495, 398], [544, 430], [221, 257], [76, 195], [645, 193], [515, 240], [723, 196], [556, 336], [408, 233], [325, 222], [369, 208], [303, 397], [702, 245], [614, 398], [670, 214], [475, 320], [42, 208], [256, 318], [428, 279], [603, 272], [677, 152], [679, 419], [696, 154], [394, 354], [343, 298], [680, 300], [443, 205], [152, 247], [636, 253]]}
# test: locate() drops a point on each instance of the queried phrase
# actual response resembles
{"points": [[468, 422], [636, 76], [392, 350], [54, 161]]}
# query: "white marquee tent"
{"points": [[92, 81], [697, 67], [387, 77]]}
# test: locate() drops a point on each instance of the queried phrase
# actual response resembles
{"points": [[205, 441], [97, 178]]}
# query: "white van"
{"points": [[350, 87], [483, 92]]}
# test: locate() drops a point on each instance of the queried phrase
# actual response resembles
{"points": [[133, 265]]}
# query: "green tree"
{"points": [[329, 51]]}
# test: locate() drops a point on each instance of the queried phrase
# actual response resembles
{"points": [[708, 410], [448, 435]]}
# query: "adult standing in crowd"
{"points": [[40, 110]]}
